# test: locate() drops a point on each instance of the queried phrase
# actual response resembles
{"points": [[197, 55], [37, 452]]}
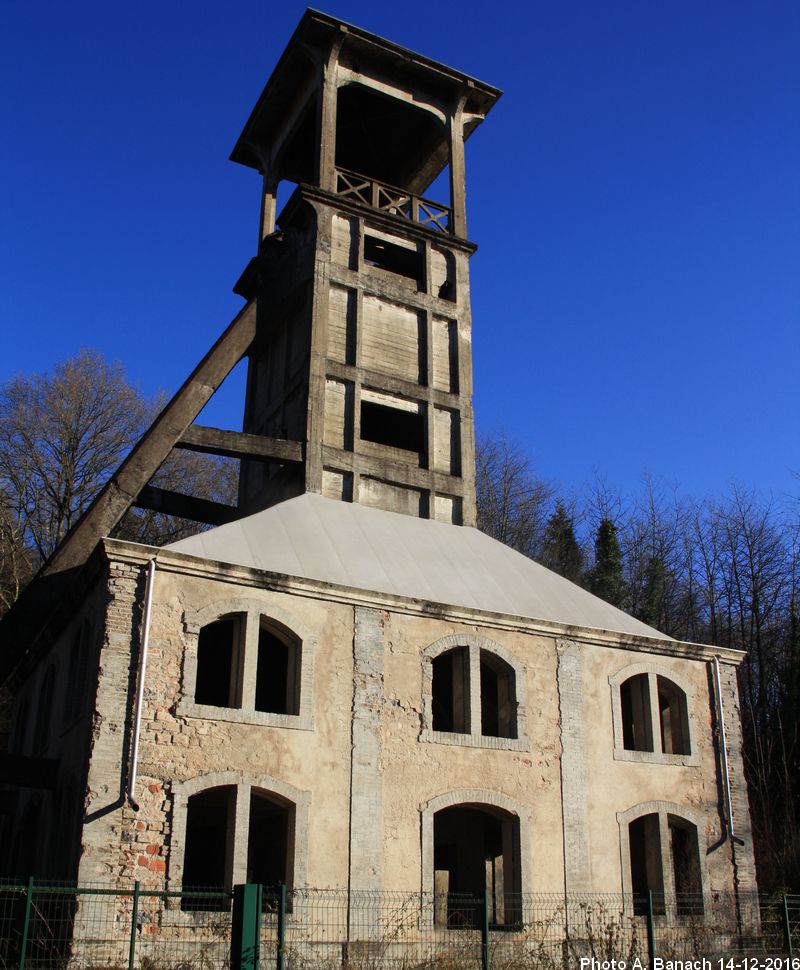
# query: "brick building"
{"points": [[343, 683]]}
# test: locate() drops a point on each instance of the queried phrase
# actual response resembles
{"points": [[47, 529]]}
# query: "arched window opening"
{"points": [[277, 674], [685, 857], [451, 691], [268, 843], [652, 716], [665, 861], [637, 727], [235, 833], [674, 718], [219, 656], [475, 851], [498, 697], [252, 667], [647, 874], [474, 694], [208, 858]]}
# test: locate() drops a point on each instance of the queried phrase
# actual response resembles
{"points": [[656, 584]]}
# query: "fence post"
{"points": [[26, 924], [485, 932], [787, 928], [281, 951], [259, 918], [244, 931], [134, 920], [651, 928]]}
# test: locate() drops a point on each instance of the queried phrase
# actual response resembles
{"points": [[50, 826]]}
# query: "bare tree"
{"points": [[724, 571], [61, 436], [189, 473], [651, 540], [758, 569], [15, 565], [514, 504]]}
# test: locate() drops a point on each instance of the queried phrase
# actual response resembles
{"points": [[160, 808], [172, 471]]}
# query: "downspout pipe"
{"points": [[137, 716], [723, 746]]}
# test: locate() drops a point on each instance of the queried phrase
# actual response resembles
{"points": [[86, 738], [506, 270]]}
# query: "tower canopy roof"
{"points": [[298, 74], [322, 539]]}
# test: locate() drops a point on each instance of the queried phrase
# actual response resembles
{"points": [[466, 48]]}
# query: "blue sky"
{"points": [[634, 194]]}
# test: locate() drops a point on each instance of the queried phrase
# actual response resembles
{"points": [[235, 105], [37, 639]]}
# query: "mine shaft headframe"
{"points": [[344, 99]]}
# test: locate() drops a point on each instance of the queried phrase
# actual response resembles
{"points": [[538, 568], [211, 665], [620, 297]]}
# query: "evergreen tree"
{"points": [[560, 549], [652, 608], [606, 577]]}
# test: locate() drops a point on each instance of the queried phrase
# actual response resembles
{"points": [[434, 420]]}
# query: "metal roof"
{"points": [[346, 544]]}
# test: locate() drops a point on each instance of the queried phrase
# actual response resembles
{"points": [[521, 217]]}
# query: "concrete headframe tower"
{"points": [[322, 692], [357, 320], [363, 332]]}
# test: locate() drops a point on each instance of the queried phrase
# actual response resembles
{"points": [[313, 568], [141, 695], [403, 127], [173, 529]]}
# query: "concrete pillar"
{"points": [[248, 641], [441, 887], [366, 786], [458, 194], [327, 122], [238, 834], [474, 726], [655, 712], [269, 202], [742, 856], [577, 867]]}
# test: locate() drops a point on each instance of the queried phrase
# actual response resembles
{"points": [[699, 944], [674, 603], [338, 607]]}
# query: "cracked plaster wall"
{"points": [[367, 718]]}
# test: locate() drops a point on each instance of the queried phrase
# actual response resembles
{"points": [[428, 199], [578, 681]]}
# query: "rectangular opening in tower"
{"points": [[389, 256], [393, 427]]}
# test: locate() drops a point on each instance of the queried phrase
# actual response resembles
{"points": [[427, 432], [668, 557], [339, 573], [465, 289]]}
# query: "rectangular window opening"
{"points": [[392, 258], [393, 427]]}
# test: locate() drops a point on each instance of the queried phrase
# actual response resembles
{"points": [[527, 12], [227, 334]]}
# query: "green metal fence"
{"points": [[49, 926], [57, 927]]}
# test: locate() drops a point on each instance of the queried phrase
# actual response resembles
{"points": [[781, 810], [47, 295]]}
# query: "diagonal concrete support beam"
{"points": [[121, 491], [49, 596]]}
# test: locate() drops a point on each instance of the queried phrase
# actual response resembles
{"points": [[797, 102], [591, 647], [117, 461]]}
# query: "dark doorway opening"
{"points": [[476, 851]]}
